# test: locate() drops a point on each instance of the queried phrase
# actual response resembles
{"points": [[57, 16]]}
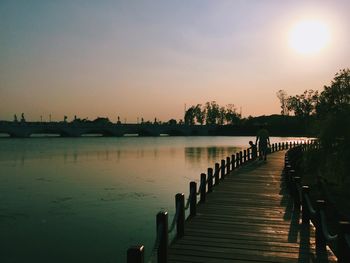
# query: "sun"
{"points": [[309, 36]]}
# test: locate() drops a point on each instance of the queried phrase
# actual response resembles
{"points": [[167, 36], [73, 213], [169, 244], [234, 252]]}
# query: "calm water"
{"points": [[89, 199]]}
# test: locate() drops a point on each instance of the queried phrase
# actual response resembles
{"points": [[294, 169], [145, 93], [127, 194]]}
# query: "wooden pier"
{"points": [[248, 211], [247, 218]]}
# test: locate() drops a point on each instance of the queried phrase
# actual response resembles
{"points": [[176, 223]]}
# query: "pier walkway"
{"points": [[248, 217]]}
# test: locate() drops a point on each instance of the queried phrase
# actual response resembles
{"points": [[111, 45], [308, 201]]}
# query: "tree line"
{"points": [[212, 113], [328, 114]]}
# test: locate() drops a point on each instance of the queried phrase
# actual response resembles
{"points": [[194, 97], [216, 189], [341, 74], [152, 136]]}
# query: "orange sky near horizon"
{"points": [[149, 59]]}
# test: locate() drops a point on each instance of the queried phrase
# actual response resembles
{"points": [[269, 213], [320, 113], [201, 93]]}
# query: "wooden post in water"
{"points": [[245, 156], [233, 160], [180, 208], [193, 198], [343, 244], [305, 216], [320, 239], [210, 180], [136, 254], [162, 227], [237, 159], [222, 169], [203, 187], [216, 173]]}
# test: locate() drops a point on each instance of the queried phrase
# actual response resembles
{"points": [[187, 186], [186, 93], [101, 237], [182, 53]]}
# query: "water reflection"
{"points": [[208, 154], [193, 155]]}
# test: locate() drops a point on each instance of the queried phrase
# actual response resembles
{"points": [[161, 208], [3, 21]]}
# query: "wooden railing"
{"points": [[316, 215], [214, 176]]}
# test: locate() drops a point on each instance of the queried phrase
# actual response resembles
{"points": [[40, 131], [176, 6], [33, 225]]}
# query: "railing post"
{"points": [[193, 198], [290, 175], [273, 147], [245, 156], [296, 181], [294, 144], [162, 226], [279, 146], [217, 171], [248, 154], [305, 216], [222, 169], [233, 160], [320, 239], [237, 159], [240, 157], [282, 145], [203, 187], [343, 246], [180, 208], [210, 180], [136, 254], [287, 145], [228, 165]]}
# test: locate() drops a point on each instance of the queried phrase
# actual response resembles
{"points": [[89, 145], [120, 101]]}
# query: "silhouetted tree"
{"points": [[22, 118], [190, 116], [172, 122], [333, 110], [283, 98], [231, 115], [335, 98], [213, 112], [303, 105], [199, 114], [222, 115]]}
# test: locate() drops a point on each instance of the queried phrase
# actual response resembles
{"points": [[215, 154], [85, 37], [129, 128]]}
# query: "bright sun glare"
{"points": [[309, 36]]}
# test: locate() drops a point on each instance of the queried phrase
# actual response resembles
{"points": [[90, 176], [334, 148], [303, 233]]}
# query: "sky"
{"points": [[150, 58]]}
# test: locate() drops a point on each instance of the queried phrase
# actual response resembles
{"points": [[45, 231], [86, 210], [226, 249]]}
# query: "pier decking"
{"points": [[248, 218]]}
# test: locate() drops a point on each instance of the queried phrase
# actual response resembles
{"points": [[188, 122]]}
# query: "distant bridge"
{"points": [[77, 129]]}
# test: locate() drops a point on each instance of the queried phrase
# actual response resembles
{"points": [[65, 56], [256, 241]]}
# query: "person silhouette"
{"points": [[264, 141], [253, 149]]}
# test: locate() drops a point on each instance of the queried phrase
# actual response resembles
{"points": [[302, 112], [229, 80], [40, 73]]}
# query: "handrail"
{"points": [[172, 226], [318, 216], [309, 205], [187, 205], [329, 237], [347, 239], [156, 243]]}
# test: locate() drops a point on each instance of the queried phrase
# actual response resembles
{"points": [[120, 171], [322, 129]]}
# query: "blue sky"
{"points": [[148, 58]]}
